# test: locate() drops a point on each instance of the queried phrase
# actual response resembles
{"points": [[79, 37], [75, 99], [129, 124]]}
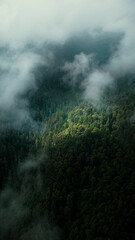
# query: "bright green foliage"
{"points": [[88, 175]]}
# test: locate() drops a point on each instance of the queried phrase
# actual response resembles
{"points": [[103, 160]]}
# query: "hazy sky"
{"points": [[55, 21]]}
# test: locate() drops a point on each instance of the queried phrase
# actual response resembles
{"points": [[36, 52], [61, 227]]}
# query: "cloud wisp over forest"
{"points": [[13, 211], [51, 52], [24, 23]]}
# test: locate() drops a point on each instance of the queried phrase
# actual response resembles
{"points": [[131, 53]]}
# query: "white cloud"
{"points": [[78, 68], [95, 84], [32, 21], [16, 77], [55, 20], [93, 80]]}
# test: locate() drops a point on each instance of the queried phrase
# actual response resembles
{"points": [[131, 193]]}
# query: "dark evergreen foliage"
{"points": [[87, 173]]}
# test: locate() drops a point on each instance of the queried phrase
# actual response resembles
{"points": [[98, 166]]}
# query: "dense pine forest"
{"points": [[67, 120], [70, 174]]}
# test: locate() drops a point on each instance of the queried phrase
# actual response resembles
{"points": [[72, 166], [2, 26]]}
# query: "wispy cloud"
{"points": [[26, 22], [16, 215], [78, 69]]}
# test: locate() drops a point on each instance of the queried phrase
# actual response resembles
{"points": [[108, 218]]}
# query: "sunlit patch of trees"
{"points": [[88, 174]]}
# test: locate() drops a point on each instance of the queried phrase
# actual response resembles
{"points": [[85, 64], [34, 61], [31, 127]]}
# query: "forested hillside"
{"points": [[67, 120], [74, 170]]}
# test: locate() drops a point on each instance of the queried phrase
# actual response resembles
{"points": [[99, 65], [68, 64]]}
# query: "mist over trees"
{"points": [[67, 120], [72, 175]]}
